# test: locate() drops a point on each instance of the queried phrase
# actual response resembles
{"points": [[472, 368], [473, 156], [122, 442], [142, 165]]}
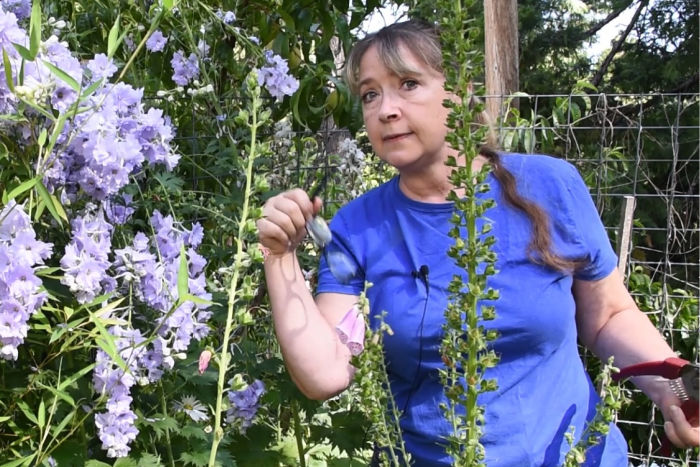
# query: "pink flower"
{"points": [[351, 331], [204, 358]]}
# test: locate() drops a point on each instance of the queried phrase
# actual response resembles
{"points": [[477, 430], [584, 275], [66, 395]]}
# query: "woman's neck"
{"points": [[433, 185]]}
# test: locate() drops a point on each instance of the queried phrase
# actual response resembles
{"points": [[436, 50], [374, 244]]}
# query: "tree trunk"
{"points": [[501, 37]]}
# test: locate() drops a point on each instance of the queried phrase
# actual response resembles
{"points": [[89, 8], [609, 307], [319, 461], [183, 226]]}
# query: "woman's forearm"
{"points": [[316, 359]]}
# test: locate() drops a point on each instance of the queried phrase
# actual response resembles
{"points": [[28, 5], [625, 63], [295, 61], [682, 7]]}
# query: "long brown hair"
{"points": [[424, 42]]}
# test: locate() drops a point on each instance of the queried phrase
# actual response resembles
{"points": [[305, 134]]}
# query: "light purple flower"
{"points": [[203, 48], [10, 33], [229, 17], [276, 78], [21, 8], [157, 41], [20, 288], [101, 67], [244, 405], [85, 261], [184, 69], [110, 144]]}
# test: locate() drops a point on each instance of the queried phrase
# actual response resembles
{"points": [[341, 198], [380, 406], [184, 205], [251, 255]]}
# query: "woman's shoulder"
{"points": [[537, 165], [371, 199], [544, 178], [369, 207]]}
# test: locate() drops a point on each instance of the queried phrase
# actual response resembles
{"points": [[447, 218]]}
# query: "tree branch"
{"points": [[604, 22], [617, 45]]}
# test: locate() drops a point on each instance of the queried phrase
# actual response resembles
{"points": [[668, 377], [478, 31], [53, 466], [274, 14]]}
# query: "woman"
{"points": [[557, 277]]}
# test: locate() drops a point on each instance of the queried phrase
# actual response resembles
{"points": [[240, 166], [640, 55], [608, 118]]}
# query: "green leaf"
{"points": [[126, 462], [168, 4], [41, 140], [35, 29], [57, 130], [96, 463], [182, 276], [41, 419], [21, 188], [113, 38], [194, 299], [56, 430], [27, 412], [197, 458], [63, 76], [106, 342], [16, 462], [60, 394], [8, 70], [150, 460], [52, 203]]}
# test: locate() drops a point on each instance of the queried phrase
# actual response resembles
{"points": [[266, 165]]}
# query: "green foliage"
{"points": [[374, 390]]}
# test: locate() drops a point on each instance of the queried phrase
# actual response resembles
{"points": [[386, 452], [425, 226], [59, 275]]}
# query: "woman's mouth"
{"points": [[396, 137]]}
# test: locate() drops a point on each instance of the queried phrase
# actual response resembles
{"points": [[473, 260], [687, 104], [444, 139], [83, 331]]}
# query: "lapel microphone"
{"points": [[422, 274]]}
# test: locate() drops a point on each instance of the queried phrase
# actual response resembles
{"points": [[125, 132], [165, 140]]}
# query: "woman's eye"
{"points": [[368, 97], [410, 84]]}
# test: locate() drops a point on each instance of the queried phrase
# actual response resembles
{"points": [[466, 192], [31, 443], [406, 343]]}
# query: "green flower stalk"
{"points": [[378, 402], [612, 398], [253, 119], [465, 345]]}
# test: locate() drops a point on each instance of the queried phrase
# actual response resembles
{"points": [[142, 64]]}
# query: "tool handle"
{"points": [[669, 368]]}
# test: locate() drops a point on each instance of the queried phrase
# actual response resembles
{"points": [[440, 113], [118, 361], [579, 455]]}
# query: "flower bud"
{"points": [[204, 358]]}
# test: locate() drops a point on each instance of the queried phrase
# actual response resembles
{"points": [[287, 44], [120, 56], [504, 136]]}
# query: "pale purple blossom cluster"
{"points": [[275, 76], [185, 69], [38, 83], [150, 269], [96, 155], [101, 67], [21, 8], [157, 41], [110, 144], [118, 208], [86, 259], [106, 145], [20, 289], [116, 426], [154, 279], [228, 17], [244, 405]]}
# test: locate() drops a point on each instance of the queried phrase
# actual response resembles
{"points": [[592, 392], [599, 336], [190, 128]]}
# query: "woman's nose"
{"points": [[389, 108]]}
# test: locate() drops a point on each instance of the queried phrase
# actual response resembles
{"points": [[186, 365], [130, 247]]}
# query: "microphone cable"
{"points": [[422, 274]]}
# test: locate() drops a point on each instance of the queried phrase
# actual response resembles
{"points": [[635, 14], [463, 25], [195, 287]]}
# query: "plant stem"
{"points": [[168, 443], [233, 290], [298, 435]]}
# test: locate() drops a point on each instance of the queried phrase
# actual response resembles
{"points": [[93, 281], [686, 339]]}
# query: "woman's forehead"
{"points": [[398, 61]]}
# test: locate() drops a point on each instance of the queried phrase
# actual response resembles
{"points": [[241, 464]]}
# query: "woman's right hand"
{"points": [[282, 226]]}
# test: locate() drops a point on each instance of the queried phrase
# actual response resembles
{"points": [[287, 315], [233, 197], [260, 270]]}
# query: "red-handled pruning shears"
{"points": [[683, 378]]}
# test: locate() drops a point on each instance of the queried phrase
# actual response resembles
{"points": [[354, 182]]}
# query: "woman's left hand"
{"points": [[678, 429]]}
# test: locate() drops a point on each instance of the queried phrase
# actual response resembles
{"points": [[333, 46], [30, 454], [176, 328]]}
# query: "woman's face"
{"points": [[404, 115]]}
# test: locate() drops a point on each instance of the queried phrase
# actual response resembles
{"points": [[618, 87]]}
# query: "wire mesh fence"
{"points": [[640, 156]]}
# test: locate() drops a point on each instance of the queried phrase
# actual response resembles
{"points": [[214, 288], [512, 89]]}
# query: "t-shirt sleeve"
{"points": [[587, 230], [339, 271]]}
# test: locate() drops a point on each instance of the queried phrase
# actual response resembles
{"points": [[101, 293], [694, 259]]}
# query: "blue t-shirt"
{"points": [[543, 388]]}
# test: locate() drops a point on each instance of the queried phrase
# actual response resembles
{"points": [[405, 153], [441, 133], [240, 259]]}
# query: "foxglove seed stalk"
{"points": [[465, 345], [375, 391], [612, 398]]}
